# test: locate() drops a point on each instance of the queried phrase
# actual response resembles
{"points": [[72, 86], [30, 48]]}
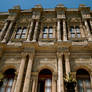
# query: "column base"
{"points": [[3, 41], [59, 40], [33, 41]]}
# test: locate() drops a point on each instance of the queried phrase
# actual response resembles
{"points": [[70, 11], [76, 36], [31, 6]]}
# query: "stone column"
{"points": [[53, 84], [6, 37], [91, 80], [64, 31], [3, 30], [20, 74], [60, 81], [33, 86], [88, 31], [35, 31], [58, 31], [13, 86], [30, 31], [67, 63], [82, 31], [28, 74], [91, 23]]}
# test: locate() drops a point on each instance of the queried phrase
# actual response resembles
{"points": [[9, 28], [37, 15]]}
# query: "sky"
{"points": [[28, 4]]}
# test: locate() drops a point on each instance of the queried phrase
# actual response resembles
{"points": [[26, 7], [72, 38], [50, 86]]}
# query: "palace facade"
{"points": [[39, 46]]}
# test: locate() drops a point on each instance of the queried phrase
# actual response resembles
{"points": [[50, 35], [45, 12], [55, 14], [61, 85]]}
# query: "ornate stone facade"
{"points": [[57, 39]]}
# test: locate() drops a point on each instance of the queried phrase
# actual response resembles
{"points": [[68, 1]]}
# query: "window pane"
{"points": [[2, 89], [23, 36], [44, 35], [48, 83], [50, 35], [45, 30], [72, 35], [10, 82], [77, 29], [87, 83], [8, 90], [78, 35], [50, 30], [47, 89], [17, 36], [88, 90], [24, 30], [71, 29], [5, 82], [80, 83], [19, 31]]}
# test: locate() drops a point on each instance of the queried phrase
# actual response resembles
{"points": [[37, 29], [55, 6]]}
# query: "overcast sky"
{"points": [[27, 4]]}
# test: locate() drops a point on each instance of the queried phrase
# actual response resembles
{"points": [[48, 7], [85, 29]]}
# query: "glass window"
{"points": [[44, 35], [50, 35], [83, 81], [50, 30], [45, 30], [7, 81]]}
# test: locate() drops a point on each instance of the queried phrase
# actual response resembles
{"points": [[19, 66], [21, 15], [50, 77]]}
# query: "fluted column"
{"points": [[30, 31], [35, 31], [60, 81], [28, 74], [3, 30], [20, 74], [13, 86], [88, 31], [64, 31], [58, 31], [6, 37], [67, 63]]}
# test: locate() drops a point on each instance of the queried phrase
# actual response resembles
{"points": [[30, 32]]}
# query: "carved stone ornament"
{"points": [[48, 20], [74, 20]]}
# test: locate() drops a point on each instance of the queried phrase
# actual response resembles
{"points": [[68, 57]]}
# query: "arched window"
{"points": [[45, 81], [83, 81], [72, 32], [21, 33], [8, 80], [77, 31], [48, 32]]}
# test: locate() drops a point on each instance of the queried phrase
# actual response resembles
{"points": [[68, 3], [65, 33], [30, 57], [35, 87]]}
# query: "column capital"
{"points": [[59, 54], [67, 53]]}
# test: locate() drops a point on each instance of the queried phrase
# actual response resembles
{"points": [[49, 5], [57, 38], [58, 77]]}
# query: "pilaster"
{"points": [[64, 31], [67, 63], [30, 31], [28, 73], [60, 81], [35, 31], [58, 30], [3, 30], [20, 74], [6, 37], [88, 31]]}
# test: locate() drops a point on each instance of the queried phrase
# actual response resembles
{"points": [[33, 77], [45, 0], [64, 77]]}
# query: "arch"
{"points": [[6, 67], [45, 67], [83, 67], [45, 78], [83, 80]]}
